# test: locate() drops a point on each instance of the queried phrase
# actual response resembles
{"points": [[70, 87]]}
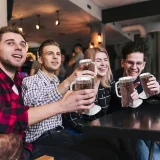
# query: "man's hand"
{"points": [[63, 87], [153, 85], [80, 72], [77, 100]]}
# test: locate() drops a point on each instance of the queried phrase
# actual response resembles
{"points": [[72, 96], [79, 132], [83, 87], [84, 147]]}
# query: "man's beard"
{"points": [[55, 71], [9, 66]]}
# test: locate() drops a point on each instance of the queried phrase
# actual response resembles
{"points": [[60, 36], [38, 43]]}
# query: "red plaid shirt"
{"points": [[13, 113]]}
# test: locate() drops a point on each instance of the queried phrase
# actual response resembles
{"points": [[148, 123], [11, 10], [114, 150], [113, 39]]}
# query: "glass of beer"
{"points": [[144, 78], [89, 66], [126, 89], [85, 83]]}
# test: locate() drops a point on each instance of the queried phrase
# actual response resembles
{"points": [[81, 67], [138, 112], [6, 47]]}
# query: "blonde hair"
{"points": [[91, 54]]}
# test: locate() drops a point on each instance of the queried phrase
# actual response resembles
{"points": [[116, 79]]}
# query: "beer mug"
{"points": [[80, 83], [144, 78], [90, 66], [85, 83], [127, 88]]}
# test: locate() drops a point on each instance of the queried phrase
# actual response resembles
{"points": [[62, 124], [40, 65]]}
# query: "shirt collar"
{"points": [[46, 78], [8, 80]]}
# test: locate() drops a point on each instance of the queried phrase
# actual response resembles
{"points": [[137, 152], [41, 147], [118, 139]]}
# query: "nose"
{"points": [[18, 47], [102, 63], [55, 56], [134, 65]]}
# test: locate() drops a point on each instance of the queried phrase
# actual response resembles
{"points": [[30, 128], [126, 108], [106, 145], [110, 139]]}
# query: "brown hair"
{"points": [[91, 54], [13, 29], [11, 147], [47, 43]]}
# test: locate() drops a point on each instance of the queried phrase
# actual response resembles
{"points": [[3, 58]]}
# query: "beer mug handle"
{"points": [[116, 87], [71, 86], [151, 75]]}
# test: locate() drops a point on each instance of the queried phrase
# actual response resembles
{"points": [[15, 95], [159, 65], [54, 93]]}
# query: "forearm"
{"points": [[40, 113], [71, 62], [64, 86]]}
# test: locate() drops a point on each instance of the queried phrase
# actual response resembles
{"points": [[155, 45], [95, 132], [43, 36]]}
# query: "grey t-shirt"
{"points": [[62, 72], [79, 56], [36, 65]]}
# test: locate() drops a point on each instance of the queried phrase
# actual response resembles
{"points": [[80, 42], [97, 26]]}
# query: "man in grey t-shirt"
{"points": [[74, 62]]}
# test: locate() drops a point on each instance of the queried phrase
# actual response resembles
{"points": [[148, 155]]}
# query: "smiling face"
{"points": [[50, 58], [102, 63], [133, 64], [12, 51]]}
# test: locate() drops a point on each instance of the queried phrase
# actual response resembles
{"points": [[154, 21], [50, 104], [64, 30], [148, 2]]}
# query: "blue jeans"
{"points": [[142, 149]]}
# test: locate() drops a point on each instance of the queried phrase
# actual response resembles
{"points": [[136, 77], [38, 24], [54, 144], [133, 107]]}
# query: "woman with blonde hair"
{"points": [[104, 82]]}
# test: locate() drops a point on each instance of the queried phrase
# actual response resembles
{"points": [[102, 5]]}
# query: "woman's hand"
{"points": [[135, 95]]}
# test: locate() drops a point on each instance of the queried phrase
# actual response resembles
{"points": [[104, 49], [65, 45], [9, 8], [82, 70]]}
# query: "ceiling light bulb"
{"points": [[99, 38], [57, 22], [21, 29], [37, 26]]}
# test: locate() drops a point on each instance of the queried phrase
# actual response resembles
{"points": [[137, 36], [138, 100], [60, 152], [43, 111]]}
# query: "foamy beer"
{"points": [[82, 83], [91, 66], [126, 89], [144, 78], [85, 83]]}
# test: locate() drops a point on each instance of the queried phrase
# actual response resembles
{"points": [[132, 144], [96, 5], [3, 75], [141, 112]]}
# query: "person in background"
{"points": [[35, 66], [14, 115], [105, 87], [62, 70], [133, 62], [74, 61], [11, 147]]}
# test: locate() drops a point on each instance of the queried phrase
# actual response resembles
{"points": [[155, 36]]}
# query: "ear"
{"points": [[144, 65], [122, 63], [40, 59]]}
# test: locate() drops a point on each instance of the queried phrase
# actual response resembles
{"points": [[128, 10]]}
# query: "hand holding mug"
{"points": [[149, 84], [153, 85], [82, 83], [129, 96]]}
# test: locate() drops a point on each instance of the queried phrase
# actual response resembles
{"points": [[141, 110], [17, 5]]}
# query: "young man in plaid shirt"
{"points": [[14, 116]]}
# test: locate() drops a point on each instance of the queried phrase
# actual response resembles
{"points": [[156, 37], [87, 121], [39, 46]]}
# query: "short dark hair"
{"points": [[63, 52], [13, 29], [137, 46], [47, 43], [78, 45], [11, 146]]}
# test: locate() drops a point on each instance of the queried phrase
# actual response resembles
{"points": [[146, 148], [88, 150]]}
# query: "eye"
{"points": [[49, 53], [130, 62], [23, 45], [139, 63], [97, 60], [10, 43], [59, 54]]}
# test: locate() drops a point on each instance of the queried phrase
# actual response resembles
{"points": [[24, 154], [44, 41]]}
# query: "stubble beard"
{"points": [[9, 66]]}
